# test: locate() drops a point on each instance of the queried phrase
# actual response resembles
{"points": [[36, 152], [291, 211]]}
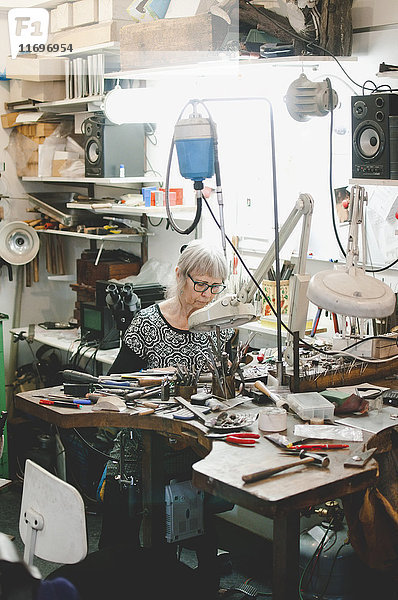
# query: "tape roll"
{"points": [[19, 243], [272, 418]]}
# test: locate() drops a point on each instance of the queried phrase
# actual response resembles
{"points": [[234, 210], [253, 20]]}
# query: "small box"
{"points": [[32, 68], [269, 288], [146, 194], [85, 12], [157, 198], [60, 161], [179, 196], [89, 35], [64, 15], [54, 26], [311, 405], [8, 120], [42, 91], [113, 9]]}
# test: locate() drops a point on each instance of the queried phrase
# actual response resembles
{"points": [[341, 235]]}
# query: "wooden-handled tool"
{"points": [[321, 460], [278, 401]]}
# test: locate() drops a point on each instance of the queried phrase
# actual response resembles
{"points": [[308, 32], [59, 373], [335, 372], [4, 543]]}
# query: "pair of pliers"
{"points": [[240, 439]]}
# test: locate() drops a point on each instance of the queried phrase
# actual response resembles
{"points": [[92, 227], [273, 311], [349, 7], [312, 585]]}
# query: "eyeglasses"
{"points": [[202, 286]]}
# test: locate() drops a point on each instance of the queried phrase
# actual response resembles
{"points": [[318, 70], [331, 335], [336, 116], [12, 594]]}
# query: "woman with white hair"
{"points": [[158, 335]]}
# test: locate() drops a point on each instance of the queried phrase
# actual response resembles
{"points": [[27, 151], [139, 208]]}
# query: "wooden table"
{"points": [[280, 497]]}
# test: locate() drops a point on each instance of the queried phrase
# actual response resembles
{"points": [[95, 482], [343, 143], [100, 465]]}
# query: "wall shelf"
{"points": [[385, 182], [117, 237], [185, 213], [72, 105]]}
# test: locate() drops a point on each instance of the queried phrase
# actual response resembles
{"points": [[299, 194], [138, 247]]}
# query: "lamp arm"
{"points": [[303, 207]]}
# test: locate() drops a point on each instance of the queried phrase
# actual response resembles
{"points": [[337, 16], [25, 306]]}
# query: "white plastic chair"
{"points": [[52, 522]]}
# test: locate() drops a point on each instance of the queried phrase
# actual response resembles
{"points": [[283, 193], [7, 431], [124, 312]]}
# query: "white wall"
{"points": [[243, 128]]}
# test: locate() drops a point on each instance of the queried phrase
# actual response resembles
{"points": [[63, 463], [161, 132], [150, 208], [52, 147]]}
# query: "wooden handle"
{"points": [[272, 470], [279, 402], [36, 268]]}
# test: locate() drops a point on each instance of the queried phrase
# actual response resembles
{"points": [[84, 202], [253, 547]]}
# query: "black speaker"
{"points": [[107, 146], [374, 120]]}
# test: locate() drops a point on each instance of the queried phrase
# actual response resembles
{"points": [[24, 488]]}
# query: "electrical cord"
{"points": [[311, 45], [304, 342]]}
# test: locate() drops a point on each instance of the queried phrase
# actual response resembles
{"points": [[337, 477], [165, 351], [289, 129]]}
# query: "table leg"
{"points": [[286, 552], [154, 518]]}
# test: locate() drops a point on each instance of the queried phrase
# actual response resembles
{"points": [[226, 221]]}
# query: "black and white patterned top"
{"points": [[154, 343]]}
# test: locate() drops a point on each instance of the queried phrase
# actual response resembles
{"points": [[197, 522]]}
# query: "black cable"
{"points": [[83, 439], [321, 597], [308, 44], [155, 224]]}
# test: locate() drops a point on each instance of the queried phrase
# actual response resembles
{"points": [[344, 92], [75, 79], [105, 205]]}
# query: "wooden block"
{"points": [[85, 12], [65, 15], [155, 43], [91, 35]]}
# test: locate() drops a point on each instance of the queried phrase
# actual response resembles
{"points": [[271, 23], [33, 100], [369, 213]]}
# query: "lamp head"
{"points": [[223, 313], [349, 291], [305, 99]]}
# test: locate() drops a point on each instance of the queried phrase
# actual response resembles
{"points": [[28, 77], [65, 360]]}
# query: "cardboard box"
{"points": [[386, 347], [8, 120], [64, 15], [85, 12], [43, 91], [269, 288], [33, 68], [91, 35], [113, 9], [38, 130], [60, 161]]}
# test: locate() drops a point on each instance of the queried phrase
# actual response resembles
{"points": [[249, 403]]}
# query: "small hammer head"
{"points": [[320, 459]]}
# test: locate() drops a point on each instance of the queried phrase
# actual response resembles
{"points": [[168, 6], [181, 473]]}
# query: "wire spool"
{"points": [[19, 243]]}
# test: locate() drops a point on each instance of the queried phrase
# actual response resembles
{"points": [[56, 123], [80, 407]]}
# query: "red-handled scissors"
{"points": [[240, 439]]}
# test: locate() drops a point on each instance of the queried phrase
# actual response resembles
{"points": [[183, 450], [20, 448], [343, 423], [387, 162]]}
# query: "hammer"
{"points": [[320, 460]]}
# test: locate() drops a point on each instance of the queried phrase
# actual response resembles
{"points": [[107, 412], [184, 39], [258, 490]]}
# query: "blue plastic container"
{"points": [[196, 158], [146, 194]]}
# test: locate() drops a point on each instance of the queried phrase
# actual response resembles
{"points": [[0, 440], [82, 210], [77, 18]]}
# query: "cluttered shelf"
{"points": [[111, 237], [179, 212], [116, 181]]}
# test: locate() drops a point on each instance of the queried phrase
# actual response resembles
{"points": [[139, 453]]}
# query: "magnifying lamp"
{"points": [[347, 290]]}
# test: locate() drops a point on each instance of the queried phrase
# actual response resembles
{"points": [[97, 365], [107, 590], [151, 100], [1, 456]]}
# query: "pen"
{"points": [[59, 403], [317, 446]]}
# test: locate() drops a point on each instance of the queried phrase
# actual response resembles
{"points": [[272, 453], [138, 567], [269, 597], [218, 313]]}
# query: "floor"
{"points": [[246, 565]]}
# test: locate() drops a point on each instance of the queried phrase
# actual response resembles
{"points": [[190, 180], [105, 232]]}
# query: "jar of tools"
{"points": [[223, 387]]}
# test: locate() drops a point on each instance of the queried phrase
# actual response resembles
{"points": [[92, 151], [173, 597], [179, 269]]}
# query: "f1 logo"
{"points": [[27, 26]]}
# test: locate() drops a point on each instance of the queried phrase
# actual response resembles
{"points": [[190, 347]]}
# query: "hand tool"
{"points": [[240, 439], [360, 459], [321, 460], [278, 401], [316, 446], [59, 403]]}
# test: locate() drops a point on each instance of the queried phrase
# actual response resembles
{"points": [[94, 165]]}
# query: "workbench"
{"points": [[219, 472]]}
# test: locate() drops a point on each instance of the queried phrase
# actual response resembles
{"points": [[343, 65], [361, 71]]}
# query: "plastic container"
{"points": [[146, 195], [311, 405]]}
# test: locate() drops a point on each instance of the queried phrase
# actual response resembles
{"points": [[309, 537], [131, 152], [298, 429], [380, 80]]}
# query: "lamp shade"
{"points": [[350, 292], [223, 313], [133, 105]]}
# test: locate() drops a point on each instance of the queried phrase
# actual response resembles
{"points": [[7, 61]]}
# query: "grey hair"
{"points": [[202, 258]]}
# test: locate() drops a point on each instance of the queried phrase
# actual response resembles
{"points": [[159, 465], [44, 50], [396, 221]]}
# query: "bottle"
{"points": [[121, 171]]}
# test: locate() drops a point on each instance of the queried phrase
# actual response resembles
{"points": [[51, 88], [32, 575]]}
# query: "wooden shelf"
{"points": [[385, 182]]}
